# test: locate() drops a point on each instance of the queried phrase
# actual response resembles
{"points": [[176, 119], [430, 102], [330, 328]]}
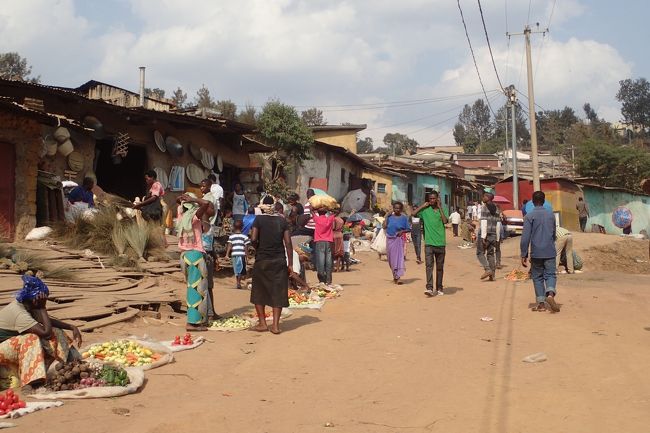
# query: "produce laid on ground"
{"points": [[122, 352], [79, 375], [186, 341], [304, 300], [516, 275], [9, 402], [231, 323]]}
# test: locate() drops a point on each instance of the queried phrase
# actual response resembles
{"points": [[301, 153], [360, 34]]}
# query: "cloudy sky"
{"points": [[399, 66]]}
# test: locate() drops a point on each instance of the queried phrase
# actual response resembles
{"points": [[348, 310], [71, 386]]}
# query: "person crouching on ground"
{"points": [[30, 340], [396, 224], [272, 242], [539, 235], [490, 237], [189, 230], [236, 250], [323, 240]]}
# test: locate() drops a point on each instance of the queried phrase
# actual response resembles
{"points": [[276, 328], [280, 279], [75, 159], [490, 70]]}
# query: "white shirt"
{"points": [[217, 193], [454, 218]]}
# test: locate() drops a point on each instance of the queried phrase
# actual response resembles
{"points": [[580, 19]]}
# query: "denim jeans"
{"points": [[434, 256], [323, 261], [543, 273], [416, 237], [480, 252], [490, 252]]}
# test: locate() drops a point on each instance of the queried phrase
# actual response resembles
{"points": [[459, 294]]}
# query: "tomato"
{"points": [[2, 398], [3, 412], [4, 406], [15, 406], [22, 404], [9, 393]]}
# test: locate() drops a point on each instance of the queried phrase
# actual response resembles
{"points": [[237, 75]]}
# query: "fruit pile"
{"points": [[234, 322], [516, 275], [122, 352], [79, 375], [186, 341], [10, 402]]}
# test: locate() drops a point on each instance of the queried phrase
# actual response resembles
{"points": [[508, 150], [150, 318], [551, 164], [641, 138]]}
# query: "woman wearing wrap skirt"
{"points": [[337, 251], [30, 340], [396, 225], [189, 231], [270, 236]]}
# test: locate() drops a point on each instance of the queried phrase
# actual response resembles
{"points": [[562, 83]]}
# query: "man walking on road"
{"points": [[434, 220], [455, 221], [539, 236], [583, 213], [490, 238]]}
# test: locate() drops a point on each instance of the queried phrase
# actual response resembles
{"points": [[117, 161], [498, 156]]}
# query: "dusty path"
{"points": [[384, 358]]}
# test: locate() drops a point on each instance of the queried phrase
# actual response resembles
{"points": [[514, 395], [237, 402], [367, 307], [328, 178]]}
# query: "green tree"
{"points": [[474, 126], [15, 67], [313, 117], [281, 125], [248, 115], [364, 145], [179, 98], [634, 96], [553, 128], [203, 98], [496, 142], [613, 165], [400, 144], [226, 108], [155, 93]]}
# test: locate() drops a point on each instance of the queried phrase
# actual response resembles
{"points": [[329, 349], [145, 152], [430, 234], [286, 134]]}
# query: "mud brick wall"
{"points": [[25, 135]]}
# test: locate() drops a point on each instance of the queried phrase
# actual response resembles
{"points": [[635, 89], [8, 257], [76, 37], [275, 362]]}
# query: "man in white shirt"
{"points": [[217, 193], [455, 219]]}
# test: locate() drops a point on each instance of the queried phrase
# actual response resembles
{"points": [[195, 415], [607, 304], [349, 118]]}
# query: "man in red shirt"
{"points": [[323, 240]]}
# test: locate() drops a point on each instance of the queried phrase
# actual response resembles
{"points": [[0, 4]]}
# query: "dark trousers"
{"points": [[455, 228], [583, 223], [434, 256], [416, 237]]}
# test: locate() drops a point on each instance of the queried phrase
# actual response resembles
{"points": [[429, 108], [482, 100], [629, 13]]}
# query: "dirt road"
{"points": [[385, 358]]}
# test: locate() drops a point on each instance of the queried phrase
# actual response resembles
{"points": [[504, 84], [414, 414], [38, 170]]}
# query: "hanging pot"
{"points": [[61, 134], [66, 148], [51, 145]]}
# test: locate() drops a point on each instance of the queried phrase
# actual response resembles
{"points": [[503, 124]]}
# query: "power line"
{"points": [[462, 17], [526, 96], [507, 34], [420, 118], [541, 48], [487, 38]]}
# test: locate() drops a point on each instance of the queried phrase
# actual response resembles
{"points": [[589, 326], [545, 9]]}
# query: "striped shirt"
{"points": [[311, 225], [238, 243], [560, 232]]}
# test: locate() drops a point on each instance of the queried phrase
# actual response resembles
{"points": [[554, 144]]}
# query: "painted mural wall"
{"points": [[602, 203]]}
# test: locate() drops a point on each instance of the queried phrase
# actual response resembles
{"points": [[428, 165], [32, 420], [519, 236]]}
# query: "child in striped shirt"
{"points": [[237, 245]]}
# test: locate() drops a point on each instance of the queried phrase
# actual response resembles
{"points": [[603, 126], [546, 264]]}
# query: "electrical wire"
{"points": [[541, 48], [487, 38], [462, 17]]}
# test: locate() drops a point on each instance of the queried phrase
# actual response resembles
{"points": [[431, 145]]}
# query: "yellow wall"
{"points": [[384, 200], [565, 203], [346, 139]]}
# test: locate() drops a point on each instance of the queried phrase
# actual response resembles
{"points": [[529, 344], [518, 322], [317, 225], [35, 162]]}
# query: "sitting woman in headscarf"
{"points": [[189, 230], [30, 340]]}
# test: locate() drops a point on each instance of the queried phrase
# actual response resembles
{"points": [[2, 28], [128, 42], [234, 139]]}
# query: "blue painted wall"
{"points": [[437, 183], [602, 203]]}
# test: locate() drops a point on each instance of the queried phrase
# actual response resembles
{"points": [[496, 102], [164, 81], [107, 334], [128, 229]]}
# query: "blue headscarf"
{"points": [[32, 287]]}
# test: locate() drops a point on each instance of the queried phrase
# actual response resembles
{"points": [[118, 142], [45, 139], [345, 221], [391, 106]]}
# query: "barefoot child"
{"points": [[237, 244]]}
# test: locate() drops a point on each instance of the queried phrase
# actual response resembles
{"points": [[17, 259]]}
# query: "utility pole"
{"points": [[531, 105], [505, 148], [512, 102]]}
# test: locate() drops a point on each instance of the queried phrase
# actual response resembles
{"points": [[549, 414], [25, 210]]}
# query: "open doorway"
{"points": [[7, 190], [124, 179]]}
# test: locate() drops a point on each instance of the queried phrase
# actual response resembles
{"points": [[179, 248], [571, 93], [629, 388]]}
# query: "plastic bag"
{"points": [[379, 243], [38, 233], [136, 380]]}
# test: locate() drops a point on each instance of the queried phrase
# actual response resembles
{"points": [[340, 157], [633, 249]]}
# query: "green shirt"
{"points": [[434, 229]]}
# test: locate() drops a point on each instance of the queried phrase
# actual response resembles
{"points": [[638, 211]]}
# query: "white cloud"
{"points": [[316, 52]]}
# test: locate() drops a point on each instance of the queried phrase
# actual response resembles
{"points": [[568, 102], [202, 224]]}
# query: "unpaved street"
{"points": [[384, 358]]}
